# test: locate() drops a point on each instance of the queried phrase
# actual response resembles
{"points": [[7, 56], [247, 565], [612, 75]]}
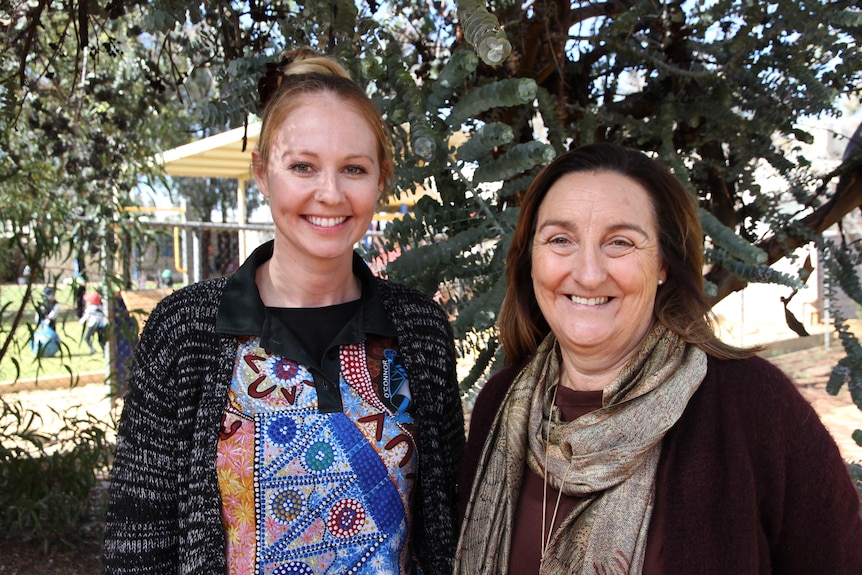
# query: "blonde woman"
{"points": [[300, 416]]}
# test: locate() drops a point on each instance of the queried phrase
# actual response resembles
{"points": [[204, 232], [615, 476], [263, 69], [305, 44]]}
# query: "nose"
{"points": [[328, 189], [588, 267]]}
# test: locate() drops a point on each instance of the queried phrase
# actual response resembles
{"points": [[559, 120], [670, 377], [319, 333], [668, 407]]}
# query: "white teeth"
{"points": [[326, 222], [589, 300]]}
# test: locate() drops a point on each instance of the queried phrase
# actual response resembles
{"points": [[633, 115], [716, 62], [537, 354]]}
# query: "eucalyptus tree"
{"points": [[83, 110], [481, 95]]}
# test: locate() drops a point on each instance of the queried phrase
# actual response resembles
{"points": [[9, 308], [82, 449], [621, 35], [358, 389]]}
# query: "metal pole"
{"points": [[241, 217]]}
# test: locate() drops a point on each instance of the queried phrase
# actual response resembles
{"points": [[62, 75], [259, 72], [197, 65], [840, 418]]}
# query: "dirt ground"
{"points": [[20, 559], [809, 369]]}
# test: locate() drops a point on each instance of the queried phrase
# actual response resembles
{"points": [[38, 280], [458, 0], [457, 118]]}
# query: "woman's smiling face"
{"points": [[596, 264], [323, 178]]}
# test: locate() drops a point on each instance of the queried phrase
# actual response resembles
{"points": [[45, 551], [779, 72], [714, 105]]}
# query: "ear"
{"points": [[260, 175]]}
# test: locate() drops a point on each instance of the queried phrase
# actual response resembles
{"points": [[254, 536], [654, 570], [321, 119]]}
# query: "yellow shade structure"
{"points": [[219, 156], [225, 155]]}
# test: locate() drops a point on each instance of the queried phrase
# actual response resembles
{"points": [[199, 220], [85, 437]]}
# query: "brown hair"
{"points": [[680, 303], [303, 72]]}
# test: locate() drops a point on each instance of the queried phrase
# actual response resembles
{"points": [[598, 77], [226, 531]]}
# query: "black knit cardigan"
{"points": [[164, 510]]}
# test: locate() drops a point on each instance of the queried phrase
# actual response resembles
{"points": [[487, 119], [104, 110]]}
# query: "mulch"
{"points": [[32, 559]]}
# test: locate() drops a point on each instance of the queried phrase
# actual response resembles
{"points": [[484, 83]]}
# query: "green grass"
{"points": [[73, 359]]}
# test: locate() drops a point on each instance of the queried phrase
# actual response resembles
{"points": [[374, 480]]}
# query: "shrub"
{"points": [[49, 482]]}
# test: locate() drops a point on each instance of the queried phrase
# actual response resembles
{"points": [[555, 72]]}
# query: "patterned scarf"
{"points": [[607, 457]]}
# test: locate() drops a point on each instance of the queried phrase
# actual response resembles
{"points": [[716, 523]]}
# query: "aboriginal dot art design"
{"points": [[310, 492]]}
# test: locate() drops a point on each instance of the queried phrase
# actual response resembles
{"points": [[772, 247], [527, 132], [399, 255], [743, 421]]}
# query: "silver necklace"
{"points": [[546, 540]]}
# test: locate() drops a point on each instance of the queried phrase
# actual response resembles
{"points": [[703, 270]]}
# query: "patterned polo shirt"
{"points": [[317, 458]]}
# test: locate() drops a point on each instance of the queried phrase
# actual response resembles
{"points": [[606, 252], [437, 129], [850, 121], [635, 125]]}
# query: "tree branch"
{"points": [[845, 200]]}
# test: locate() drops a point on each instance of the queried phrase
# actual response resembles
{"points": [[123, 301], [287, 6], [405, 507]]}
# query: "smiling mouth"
{"points": [[326, 222], [589, 300]]}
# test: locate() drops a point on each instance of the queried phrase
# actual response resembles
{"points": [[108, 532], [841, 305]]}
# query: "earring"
{"points": [[660, 282]]}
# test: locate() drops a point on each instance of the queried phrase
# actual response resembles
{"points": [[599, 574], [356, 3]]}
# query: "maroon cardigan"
{"points": [[749, 480]]}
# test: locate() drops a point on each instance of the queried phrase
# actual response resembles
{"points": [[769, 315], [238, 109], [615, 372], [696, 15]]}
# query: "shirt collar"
{"points": [[242, 313]]}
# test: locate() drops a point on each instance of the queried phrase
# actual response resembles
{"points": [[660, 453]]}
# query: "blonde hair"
{"points": [[303, 72]]}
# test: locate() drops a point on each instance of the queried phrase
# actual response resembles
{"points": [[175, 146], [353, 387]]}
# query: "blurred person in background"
{"points": [[48, 309], [94, 320]]}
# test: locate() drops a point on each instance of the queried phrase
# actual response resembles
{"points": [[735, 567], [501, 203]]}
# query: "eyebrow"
{"points": [[612, 228], [290, 152]]}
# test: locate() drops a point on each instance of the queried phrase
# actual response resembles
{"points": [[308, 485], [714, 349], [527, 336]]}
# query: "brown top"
{"points": [[527, 530]]}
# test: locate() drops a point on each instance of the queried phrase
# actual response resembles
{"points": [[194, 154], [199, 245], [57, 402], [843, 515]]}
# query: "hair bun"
{"points": [[271, 80], [296, 62]]}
